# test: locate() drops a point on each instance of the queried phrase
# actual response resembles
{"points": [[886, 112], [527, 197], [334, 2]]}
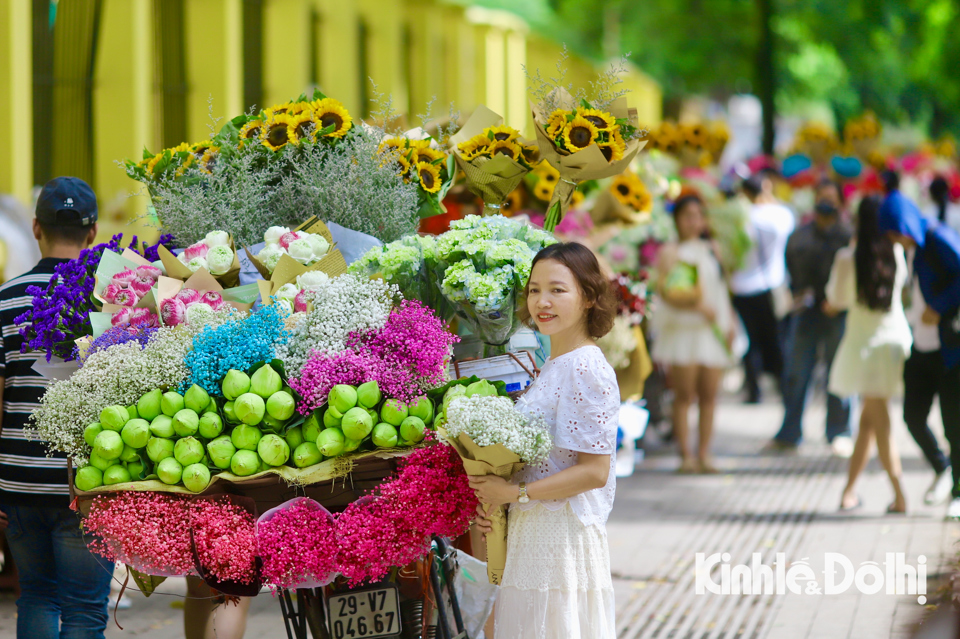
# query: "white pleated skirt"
{"points": [[556, 582]]}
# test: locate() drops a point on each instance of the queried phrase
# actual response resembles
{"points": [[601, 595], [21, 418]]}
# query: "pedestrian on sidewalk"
{"points": [[695, 331], [936, 268], [64, 588], [556, 582], [763, 274], [867, 280], [815, 329]]}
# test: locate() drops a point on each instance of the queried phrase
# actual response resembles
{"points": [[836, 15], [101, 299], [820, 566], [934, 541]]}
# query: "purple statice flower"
{"points": [[61, 310], [116, 335]]}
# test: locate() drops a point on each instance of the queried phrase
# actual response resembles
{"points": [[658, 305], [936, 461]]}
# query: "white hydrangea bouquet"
{"points": [[492, 438]]}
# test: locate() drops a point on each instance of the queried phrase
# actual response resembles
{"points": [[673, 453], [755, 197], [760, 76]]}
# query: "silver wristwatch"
{"points": [[523, 493]]}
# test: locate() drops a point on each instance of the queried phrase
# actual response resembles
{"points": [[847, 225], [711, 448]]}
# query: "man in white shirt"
{"points": [[753, 286]]}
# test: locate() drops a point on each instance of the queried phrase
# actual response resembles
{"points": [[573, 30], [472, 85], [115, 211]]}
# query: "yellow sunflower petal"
{"points": [[427, 154], [209, 160], [543, 191], [505, 147], [600, 119], [275, 110], [273, 135], [329, 112], [501, 133], [300, 126], [429, 176], [578, 134], [250, 131]]}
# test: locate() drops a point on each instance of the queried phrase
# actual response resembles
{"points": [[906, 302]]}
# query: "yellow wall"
{"points": [[467, 56]]}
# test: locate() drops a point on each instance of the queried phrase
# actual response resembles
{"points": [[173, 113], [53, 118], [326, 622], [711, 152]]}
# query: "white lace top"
{"points": [[578, 396]]}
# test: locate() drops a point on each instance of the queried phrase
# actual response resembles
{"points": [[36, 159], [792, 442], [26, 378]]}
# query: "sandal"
{"points": [[847, 509], [687, 467], [707, 468], [892, 511]]}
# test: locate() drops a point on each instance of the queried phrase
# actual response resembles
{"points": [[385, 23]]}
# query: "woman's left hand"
{"points": [[493, 491]]}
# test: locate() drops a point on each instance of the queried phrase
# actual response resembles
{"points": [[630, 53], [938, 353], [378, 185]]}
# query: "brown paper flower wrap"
{"points": [[489, 460], [178, 270], [241, 298], [288, 269], [586, 164], [490, 179]]}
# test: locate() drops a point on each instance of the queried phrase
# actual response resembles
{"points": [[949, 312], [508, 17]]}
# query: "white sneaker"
{"points": [[953, 512], [842, 447], [940, 489]]}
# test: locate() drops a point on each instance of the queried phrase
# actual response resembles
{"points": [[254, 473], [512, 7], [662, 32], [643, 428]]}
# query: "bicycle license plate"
{"points": [[365, 613]]}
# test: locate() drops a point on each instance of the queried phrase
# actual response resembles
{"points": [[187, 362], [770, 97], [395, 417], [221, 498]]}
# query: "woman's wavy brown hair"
{"points": [[594, 286]]}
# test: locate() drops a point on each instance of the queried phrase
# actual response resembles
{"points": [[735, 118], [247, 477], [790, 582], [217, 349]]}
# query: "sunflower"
{"points": [[184, 165], [152, 162], [543, 191], [250, 131], [329, 112], [513, 203], [642, 200], [475, 147], [428, 155], [404, 167], [418, 144], [429, 177], [391, 145], [630, 190], [614, 148], [547, 173], [300, 126], [275, 110], [200, 148], [695, 135], [578, 134], [556, 122], [274, 132], [530, 154], [506, 147], [209, 160], [501, 133], [299, 107], [600, 119], [578, 198]]}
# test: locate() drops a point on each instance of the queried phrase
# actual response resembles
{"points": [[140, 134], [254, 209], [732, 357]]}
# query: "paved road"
{"points": [[757, 504]]}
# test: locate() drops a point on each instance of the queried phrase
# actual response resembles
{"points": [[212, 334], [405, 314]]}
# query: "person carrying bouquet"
{"points": [[556, 583], [694, 328]]}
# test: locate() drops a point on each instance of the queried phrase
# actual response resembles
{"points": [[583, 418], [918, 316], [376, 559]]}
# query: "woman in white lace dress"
{"points": [[556, 583]]}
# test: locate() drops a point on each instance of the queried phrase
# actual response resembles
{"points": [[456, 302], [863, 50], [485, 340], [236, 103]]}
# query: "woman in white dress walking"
{"points": [[693, 331], [868, 279], [556, 582]]}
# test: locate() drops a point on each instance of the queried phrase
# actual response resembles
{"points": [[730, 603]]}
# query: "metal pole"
{"points": [[448, 574], [438, 593]]}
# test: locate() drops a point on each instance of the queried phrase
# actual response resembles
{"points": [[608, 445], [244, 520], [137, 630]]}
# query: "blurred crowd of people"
{"points": [[858, 296]]}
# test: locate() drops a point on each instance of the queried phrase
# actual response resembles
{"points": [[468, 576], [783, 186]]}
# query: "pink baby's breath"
{"points": [[298, 544], [225, 539]]}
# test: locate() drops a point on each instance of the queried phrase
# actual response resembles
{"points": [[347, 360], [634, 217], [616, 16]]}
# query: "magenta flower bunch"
{"points": [[298, 544], [323, 371], [145, 530], [225, 539]]}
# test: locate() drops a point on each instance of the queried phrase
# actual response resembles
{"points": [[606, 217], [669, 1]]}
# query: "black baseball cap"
{"points": [[67, 201]]}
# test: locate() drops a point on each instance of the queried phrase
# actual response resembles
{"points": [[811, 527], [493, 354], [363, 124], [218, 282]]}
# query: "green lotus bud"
{"points": [[159, 448], [330, 442], [211, 408], [280, 405], [230, 414], [210, 425], [412, 429], [244, 463], [196, 399], [246, 437], [350, 445], [393, 412], [235, 383], [384, 435], [482, 388], [135, 433], [136, 470], [99, 462], [342, 398], [108, 444], [91, 431], [196, 477], [368, 394], [334, 413], [88, 478], [162, 426], [129, 454], [374, 415], [221, 451], [271, 424], [423, 409], [249, 409], [329, 421], [306, 454], [116, 474], [265, 381], [171, 403], [188, 451], [294, 437], [170, 471], [311, 429], [149, 405], [132, 412], [186, 423], [356, 424], [274, 450], [114, 417]]}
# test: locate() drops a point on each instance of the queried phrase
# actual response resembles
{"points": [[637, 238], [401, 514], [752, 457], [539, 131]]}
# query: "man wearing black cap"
{"points": [[814, 327], [63, 588]]}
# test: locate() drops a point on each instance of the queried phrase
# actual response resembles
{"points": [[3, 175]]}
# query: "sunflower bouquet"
{"points": [[584, 143], [493, 157], [627, 199], [421, 162]]}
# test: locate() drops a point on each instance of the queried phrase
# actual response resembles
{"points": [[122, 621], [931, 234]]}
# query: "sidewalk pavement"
{"points": [[765, 504], [770, 504]]}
